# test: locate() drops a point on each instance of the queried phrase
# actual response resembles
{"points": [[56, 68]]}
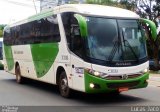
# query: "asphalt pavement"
{"points": [[34, 93]]}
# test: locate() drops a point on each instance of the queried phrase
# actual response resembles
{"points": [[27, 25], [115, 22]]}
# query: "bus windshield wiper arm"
{"points": [[114, 49], [113, 52], [128, 45]]}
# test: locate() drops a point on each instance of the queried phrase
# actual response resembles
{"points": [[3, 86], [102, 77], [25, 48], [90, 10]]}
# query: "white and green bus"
{"points": [[1, 53], [89, 48]]}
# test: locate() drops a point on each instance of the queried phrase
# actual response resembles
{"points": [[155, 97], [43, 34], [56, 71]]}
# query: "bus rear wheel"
{"points": [[19, 78], [63, 85]]}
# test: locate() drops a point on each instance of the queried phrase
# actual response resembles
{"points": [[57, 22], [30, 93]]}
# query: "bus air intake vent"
{"points": [[125, 84], [120, 77]]}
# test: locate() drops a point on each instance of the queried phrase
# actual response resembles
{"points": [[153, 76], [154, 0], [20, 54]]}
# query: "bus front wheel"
{"points": [[63, 85], [18, 74]]}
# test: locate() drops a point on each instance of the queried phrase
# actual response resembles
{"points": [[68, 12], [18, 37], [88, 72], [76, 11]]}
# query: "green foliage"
{"points": [[1, 33], [156, 8], [101, 2], [127, 4], [2, 27], [73, 1], [1, 30], [121, 4]]}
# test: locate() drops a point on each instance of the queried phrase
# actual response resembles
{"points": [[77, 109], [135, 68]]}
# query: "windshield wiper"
{"points": [[128, 45], [116, 47]]}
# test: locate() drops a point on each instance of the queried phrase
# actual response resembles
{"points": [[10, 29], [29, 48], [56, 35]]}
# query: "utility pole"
{"points": [[150, 10], [35, 6]]}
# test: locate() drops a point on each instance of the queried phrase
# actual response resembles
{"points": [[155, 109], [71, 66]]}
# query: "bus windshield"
{"points": [[115, 39]]}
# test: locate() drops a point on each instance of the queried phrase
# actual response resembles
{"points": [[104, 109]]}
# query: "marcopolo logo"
{"points": [[124, 76]]}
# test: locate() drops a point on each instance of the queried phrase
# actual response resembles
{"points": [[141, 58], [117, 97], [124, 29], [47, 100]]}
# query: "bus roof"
{"points": [[99, 10], [88, 9]]}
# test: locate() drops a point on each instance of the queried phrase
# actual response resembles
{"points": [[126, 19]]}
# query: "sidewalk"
{"points": [[154, 79]]}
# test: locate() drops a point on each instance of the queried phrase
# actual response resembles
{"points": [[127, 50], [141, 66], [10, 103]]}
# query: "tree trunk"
{"points": [[156, 58]]}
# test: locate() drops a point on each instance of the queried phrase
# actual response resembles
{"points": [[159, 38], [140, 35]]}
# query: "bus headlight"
{"points": [[95, 73], [145, 70]]}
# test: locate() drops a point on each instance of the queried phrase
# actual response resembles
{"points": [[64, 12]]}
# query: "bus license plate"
{"points": [[123, 89]]}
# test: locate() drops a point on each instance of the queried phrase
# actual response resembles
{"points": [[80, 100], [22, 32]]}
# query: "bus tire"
{"points": [[19, 78], [64, 89]]}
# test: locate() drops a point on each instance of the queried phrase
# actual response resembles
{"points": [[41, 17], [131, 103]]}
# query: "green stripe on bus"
{"points": [[43, 56], [9, 57]]}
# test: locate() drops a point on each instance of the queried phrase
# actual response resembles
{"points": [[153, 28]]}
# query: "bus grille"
{"points": [[120, 77], [125, 84]]}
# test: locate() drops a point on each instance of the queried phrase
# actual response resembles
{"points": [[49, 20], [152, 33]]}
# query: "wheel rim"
{"points": [[64, 86]]}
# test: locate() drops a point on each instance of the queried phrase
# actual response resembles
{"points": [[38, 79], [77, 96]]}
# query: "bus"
{"points": [[82, 47], [1, 53]]}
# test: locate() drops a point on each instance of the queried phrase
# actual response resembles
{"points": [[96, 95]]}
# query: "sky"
{"points": [[15, 10]]}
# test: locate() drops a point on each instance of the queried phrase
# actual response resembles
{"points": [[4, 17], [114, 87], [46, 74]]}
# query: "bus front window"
{"points": [[133, 40], [115, 40]]}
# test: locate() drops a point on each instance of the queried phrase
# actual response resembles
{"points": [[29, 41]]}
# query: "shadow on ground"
{"points": [[90, 99]]}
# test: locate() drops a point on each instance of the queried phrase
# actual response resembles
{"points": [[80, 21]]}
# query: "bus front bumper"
{"points": [[95, 84]]}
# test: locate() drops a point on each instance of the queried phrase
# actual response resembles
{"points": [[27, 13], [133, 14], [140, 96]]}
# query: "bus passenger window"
{"points": [[7, 36]]}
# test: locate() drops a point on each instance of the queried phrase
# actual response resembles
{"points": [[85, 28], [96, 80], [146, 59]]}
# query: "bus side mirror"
{"points": [[152, 27], [82, 25]]}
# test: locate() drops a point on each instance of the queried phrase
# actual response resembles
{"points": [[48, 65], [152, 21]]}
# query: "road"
{"points": [[35, 93]]}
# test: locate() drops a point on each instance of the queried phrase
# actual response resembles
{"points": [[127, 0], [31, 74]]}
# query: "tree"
{"points": [[1, 30], [151, 9], [128, 4], [1, 33], [122, 4], [102, 2]]}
